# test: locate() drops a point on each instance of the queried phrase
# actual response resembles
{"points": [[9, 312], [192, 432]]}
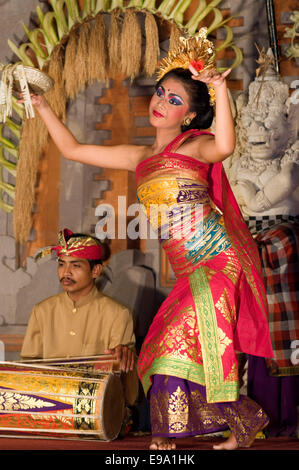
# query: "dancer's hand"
{"points": [[210, 76], [38, 101]]}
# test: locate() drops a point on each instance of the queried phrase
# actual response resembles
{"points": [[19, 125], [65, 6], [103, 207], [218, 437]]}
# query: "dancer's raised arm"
{"points": [[123, 157], [223, 144]]}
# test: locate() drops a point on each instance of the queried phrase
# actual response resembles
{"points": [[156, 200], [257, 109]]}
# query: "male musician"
{"points": [[80, 321]]}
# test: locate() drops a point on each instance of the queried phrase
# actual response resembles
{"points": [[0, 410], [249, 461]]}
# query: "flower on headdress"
{"points": [[197, 64]]}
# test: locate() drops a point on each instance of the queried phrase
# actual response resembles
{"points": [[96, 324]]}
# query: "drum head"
{"points": [[112, 408]]}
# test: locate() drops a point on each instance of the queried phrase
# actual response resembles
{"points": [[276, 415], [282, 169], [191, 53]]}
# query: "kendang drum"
{"points": [[59, 402], [90, 364]]}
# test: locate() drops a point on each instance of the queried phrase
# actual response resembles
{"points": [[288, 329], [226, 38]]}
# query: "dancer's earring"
{"points": [[187, 121]]}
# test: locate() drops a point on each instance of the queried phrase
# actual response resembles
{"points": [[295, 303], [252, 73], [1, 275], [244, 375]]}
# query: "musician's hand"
{"points": [[125, 355]]}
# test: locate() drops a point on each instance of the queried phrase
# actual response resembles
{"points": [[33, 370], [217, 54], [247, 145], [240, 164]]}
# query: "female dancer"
{"points": [[188, 364]]}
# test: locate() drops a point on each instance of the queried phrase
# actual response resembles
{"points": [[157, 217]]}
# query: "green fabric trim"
{"points": [[217, 390], [175, 367], [225, 392]]}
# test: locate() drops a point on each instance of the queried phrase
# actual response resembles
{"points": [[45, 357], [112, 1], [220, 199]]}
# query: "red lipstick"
{"points": [[157, 114]]}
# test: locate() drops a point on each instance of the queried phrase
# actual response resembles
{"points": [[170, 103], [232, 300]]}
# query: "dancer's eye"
{"points": [[175, 101], [159, 92]]}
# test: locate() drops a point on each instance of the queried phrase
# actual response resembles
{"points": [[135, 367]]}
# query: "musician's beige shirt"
{"points": [[59, 328]]}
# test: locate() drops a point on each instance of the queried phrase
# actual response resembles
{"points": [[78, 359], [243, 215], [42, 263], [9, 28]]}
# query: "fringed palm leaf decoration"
{"points": [[77, 46]]}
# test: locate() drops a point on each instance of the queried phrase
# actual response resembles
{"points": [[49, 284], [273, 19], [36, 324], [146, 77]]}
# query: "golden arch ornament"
{"points": [[78, 43]]}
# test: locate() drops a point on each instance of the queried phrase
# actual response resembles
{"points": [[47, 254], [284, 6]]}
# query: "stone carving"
{"points": [[264, 169], [11, 280], [21, 288], [292, 51]]}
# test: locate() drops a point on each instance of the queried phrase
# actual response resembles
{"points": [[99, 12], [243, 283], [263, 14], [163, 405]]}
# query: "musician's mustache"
{"points": [[67, 279]]}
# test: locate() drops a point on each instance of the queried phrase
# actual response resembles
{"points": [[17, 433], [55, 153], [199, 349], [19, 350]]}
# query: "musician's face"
{"points": [[75, 275]]}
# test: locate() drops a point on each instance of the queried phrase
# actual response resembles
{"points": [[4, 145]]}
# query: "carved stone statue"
{"points": [[264, 169]]}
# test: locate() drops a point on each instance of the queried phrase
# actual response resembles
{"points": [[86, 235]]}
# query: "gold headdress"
{"points": [[83, 246], [196, 50]]}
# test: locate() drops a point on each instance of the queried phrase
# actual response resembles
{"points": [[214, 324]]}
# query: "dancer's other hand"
{"points": [[210, 76]]}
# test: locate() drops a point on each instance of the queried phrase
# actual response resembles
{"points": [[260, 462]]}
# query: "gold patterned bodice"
{"points": [[173, 191]]}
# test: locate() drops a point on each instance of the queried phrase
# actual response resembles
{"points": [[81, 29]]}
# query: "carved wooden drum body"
{"points": [[60, 402]]}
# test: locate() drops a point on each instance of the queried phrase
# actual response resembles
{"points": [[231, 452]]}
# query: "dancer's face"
{"points": [[169, 105]]}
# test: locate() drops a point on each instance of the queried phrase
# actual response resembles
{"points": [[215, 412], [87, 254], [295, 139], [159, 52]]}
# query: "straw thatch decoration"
{"points": [[79, 50], [114, 43], [57, 96], [152, 49], [175, 33], [81, 64], [97, 57], [34, 138], [69, 75], [130, 46]]}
